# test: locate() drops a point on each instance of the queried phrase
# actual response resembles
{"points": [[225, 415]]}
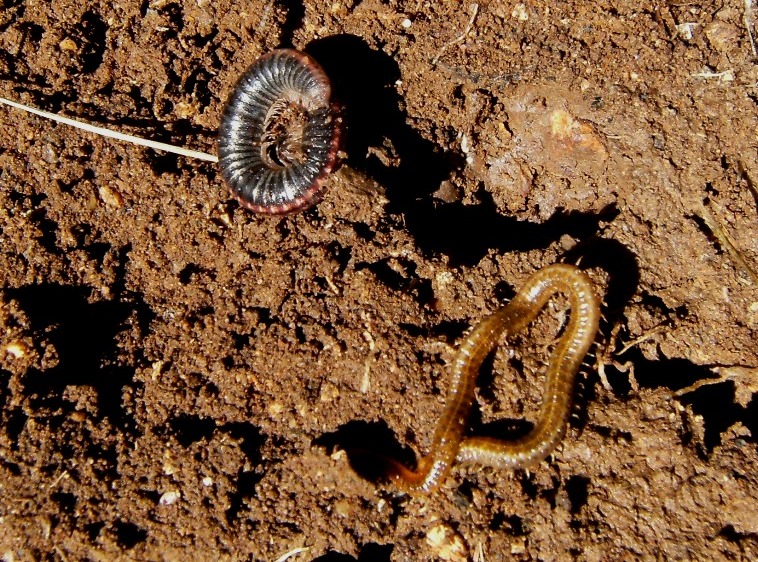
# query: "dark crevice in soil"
{"points": [[188, 428], [715, 403], [551, 493], [18, 6], [68, 186], [402, 278], [293, 20], [251, 442], [165, 163], [577, 488], [463, 496], [731, 534], [66, 501], [371, 552], [451, 330], [196, 86], [246, 482], [93, 529], [369, 462], [174, 16], [90, 37], [84, 335], [14, 424], [528, 486], [510, 524], [129, 535], [251, 438], [5, 390]]}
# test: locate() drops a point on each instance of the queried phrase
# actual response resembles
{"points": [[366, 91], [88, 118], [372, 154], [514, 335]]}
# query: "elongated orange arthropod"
{"points": [[448, 444]]}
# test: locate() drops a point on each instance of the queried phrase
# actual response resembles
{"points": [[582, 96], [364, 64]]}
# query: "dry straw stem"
{"points": [[293, 552], [461, 37], [113, 134]]}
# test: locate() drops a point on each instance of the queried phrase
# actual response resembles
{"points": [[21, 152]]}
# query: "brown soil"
{"points": [[179, 378]]}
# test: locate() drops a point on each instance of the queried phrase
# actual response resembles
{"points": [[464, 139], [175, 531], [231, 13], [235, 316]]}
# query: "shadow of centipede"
{"points": [[465, 233], [714, 402]]}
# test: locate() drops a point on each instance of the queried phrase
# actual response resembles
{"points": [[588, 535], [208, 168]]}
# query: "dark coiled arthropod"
{"points": [[280, 133]]}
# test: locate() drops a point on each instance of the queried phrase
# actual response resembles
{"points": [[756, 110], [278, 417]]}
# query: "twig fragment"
{"points": [[293, 552], [749, 25], [461, 37], [725, 241], [745, 379], [723, 76]]}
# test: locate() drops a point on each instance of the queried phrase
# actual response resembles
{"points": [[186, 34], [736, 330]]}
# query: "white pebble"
{"points": [[169, 497]]}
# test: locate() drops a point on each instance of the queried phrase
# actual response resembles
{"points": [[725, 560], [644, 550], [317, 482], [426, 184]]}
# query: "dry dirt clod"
{"points": [[446, 543]]}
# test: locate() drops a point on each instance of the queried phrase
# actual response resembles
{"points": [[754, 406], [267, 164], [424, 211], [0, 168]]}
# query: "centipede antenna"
{"points": [[113, 134]]}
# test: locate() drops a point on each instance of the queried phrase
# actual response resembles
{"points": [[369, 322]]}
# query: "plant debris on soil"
{"points": [[181, 379]]}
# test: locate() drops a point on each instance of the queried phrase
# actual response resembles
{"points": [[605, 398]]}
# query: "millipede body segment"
{"points": [[280, 134], [448, 444]]}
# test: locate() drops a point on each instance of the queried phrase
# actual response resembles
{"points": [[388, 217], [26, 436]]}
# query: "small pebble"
{"points": [[328, 392], [169, 497], [446, 543], [67, 44], [16, 349], [519, 12], [110, 197]]}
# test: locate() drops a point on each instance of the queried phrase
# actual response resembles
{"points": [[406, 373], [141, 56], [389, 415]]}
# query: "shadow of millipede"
{"points": [[364, 82]]}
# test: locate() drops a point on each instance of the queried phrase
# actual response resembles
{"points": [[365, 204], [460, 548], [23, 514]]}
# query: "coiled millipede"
{"points": [[279, 134], [278, 139]]}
